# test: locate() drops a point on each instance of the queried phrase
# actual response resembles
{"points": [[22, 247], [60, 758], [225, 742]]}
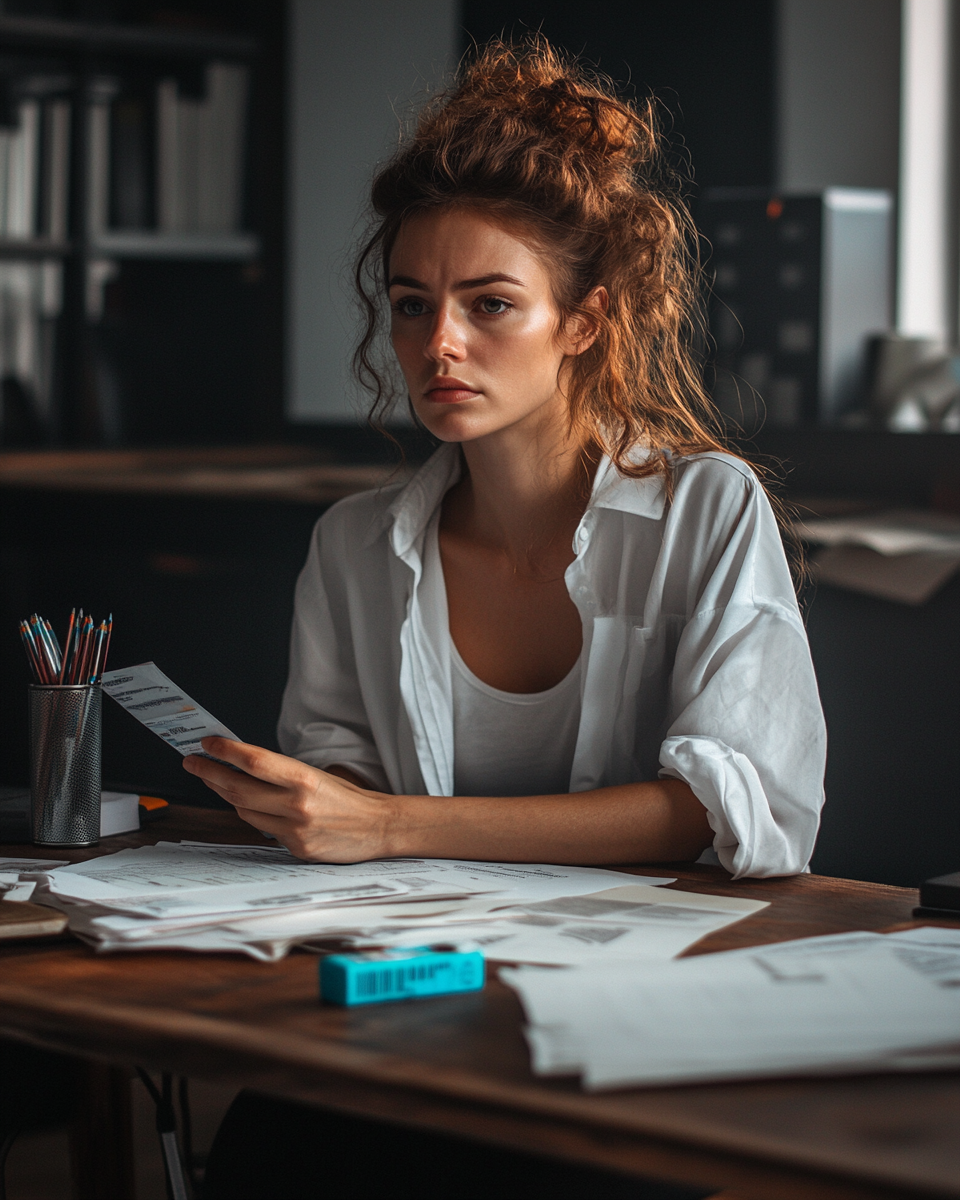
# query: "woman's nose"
{"points": [[446, 337]]}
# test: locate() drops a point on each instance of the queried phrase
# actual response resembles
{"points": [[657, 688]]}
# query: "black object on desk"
{"points": [[940, 897], [14, 815]]}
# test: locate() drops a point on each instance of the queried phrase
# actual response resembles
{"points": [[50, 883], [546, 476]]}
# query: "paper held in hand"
{"points": [[166, 710]]}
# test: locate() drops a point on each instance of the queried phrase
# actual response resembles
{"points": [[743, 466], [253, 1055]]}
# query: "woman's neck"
{"points": [[523, 494]]}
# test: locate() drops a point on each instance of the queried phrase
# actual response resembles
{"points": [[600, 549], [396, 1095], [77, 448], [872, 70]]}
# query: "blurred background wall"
{"points": [[355, 72], [797, 94]]}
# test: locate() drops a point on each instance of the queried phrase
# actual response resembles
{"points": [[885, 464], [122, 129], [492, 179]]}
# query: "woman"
{"points": [[577, 618], [572, 637]]}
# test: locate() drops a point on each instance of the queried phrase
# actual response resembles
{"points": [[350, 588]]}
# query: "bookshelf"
{"points": [[140, 251], [211, 247]]}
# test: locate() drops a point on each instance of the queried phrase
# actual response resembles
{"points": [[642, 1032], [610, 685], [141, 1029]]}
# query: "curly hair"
{"points": [[535, 141]]}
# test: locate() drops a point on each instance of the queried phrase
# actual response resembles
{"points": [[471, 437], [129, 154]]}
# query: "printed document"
{"points": [[173, 892], [166, 710], [632, 923]]}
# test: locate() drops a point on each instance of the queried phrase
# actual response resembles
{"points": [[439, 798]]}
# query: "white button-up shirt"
{"points": [[695, 660]]}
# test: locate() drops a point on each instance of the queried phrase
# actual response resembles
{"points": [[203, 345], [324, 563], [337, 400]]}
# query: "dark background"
{"points": [[711, 66]]}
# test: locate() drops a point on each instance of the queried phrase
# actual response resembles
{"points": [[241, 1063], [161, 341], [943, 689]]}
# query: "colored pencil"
{"points": [[106, 649], [75, 650], [45, 644], [33, 658], [83, 658], [98, 651], [63, 664]]}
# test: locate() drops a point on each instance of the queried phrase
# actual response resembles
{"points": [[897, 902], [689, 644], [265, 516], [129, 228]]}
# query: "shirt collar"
{"points": [[643, 497], [410, 513]]}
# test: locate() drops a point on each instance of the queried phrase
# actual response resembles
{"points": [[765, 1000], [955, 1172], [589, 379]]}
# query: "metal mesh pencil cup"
{"points": [[65, 763]]}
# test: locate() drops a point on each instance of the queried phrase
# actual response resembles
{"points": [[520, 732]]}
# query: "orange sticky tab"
{"points": [[150, 803]]}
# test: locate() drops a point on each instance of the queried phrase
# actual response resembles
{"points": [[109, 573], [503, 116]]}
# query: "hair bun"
{"points": [[532, 89]]}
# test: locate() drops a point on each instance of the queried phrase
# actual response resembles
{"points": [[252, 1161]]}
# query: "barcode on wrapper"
{"points": [[399, 975]]}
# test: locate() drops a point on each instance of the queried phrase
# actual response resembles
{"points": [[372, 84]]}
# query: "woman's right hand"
{"points": [[320, 816]]}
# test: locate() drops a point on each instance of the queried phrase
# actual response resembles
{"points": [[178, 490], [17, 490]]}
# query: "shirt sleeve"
{"points": [[323, 720], [745, 725]]}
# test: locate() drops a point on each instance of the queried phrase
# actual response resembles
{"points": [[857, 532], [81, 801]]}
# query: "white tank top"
{"points": [[512, 743], [504, 743]]}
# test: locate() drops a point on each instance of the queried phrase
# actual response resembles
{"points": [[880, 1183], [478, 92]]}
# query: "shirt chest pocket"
{"points": [[643, 713]]}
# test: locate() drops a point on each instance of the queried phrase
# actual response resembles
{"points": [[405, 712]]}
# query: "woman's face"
{"points": [[475, 327]]}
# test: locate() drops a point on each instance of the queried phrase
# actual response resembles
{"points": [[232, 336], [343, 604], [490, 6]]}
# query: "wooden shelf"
{"points": [[32, 248], [84, 37], [294, 474], [135, 243], [226, 247]]}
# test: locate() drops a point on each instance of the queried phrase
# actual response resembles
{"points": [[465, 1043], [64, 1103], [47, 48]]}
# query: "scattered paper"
{"points": [[901, 555], [931, 950], [893, 532], [851, 1002], [632, 923], [11, 885], [261, 900]]}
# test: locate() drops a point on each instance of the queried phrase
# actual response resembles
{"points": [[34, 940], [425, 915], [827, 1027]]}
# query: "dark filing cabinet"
{"points": [[799, 284]]}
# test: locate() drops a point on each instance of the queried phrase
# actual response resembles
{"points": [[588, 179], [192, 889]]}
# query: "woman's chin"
{"points": [[451, 423]]}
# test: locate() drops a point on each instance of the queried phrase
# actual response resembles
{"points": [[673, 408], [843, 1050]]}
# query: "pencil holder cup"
{"points": [[65, 764]]}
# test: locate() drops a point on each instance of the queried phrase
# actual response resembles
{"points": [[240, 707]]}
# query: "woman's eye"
{"points": [[492, 306], [410, 306]]}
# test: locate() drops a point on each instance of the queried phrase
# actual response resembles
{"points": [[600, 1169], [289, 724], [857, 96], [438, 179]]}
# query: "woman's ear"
{"points": [[580, 331]]}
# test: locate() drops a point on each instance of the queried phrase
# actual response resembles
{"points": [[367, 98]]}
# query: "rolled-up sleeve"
{"points": [[748, 737], [323, 720], [744, 725]]}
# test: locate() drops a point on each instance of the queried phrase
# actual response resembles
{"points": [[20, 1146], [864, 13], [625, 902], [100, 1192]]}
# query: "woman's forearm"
{"points": [[659, 821], [331, 816]]}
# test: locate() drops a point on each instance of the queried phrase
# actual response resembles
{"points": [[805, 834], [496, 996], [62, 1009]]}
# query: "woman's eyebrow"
{"points": [[463, 285], [483, 280], [407, 281]]}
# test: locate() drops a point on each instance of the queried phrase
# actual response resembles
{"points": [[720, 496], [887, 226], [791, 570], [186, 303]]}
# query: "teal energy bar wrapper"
{"points": [[376, 976]]}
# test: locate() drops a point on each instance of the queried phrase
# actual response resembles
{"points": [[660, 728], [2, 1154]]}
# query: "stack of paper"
{"points": [[851, 1002], [12, 887], [631, 923], [261, 901]]}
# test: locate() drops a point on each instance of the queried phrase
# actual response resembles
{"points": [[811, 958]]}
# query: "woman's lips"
{"points": [[453, 392]]}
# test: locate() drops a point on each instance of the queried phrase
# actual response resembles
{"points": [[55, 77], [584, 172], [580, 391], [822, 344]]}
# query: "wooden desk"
{"points": [[460, 1063]]}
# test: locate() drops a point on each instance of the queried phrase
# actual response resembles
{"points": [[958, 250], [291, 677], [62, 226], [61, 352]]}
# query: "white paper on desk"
{"points": [[557, 1044], [630, 923], [266, 938], [12, 887], [166, 710], [900, 555], [931, 950], [893, 532], [189, 865], [173, 879], [281, 928], [736, 1015], [180, 893]]}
